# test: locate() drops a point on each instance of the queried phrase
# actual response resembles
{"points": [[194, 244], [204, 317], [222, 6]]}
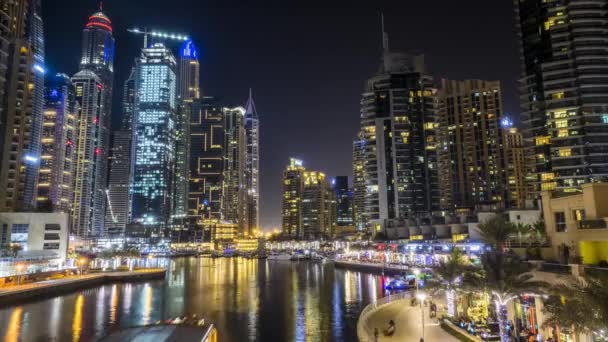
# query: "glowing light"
{"points": [[189, 50], [506, 122], [39, 68], [30, 159]]}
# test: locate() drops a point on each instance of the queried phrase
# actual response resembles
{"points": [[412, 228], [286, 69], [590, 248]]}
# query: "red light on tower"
{"points": [[97, 151], [95, 120]]}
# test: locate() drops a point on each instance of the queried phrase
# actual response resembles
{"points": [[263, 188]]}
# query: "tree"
{"points": [[449, 277], [497, 232], [581, 305], [503, 275]]}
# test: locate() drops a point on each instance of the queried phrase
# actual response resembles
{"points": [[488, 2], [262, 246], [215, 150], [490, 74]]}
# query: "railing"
{"points": [[555, 268], [592, 224], [364, 331]]}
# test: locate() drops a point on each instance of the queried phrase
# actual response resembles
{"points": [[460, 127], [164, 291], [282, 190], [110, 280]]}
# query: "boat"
{"points": [[279, 257]]}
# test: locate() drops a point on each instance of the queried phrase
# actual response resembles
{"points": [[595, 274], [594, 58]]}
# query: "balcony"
{"points": [[592, 224]]}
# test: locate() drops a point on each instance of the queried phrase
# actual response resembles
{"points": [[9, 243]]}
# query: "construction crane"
{"points": [[161, 35]]}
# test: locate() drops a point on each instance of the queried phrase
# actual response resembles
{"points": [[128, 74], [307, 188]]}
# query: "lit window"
{"points": [[561, 123], [542, 140], [563, 132], [565, 152]]}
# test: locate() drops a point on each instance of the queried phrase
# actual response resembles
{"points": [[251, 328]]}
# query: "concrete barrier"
{"points": [[364, 331], [40, 290]]}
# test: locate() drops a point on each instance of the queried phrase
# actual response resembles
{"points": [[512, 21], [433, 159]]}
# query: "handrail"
{"points": [[364, 331]]}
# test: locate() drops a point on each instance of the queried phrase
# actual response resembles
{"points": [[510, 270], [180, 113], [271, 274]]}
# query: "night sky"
{"points": [[306, 61]]}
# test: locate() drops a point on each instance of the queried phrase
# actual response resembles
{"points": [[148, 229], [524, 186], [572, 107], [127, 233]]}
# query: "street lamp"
{"points": [[421, 297], [416, 273], [81, 263]]}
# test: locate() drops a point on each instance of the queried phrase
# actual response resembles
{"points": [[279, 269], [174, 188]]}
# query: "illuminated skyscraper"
{"points": [[318, 207], [22, 83], [293, 190], [118, 209], [344, 204], [93, 85], [514, 164], [359, 186], [398, 127], [188, 90], [470, 156], [234, 194], [57, 162], [563, 92], [89, 182], [252, 167], [155, 118], [207, 140], [189, 86]]}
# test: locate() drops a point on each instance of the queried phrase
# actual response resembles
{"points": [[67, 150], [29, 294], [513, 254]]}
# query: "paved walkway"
{"points": [[407, 322], [10, 290]]}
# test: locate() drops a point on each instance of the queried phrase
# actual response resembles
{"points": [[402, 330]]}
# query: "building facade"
{"points": [[514, 167], [563, 98], [293, 190], [318, 207], [58, 143], [398, 133], [359, 186], [469, 153], [154, 124], [234, 187], [188, 89], [344, 202], [252, 167], [93, 85], [22, 66]]}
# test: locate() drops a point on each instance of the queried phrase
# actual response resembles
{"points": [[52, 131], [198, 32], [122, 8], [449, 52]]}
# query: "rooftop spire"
{"points": [[101, 6], [384, 35], [250, 107]]}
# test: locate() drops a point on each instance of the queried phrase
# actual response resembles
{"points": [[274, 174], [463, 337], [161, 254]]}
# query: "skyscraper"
{"points": [[118, 209], [22, 80], [344, 202], [293, 190], [89, 182], [470, 156], [234, 194], [189, 86], [514, 164], [398, 128], [207, 140], [359, 186], [155, 116], [252, 172], [563, 98], [57, 161], [318, 207], [188, 90]]}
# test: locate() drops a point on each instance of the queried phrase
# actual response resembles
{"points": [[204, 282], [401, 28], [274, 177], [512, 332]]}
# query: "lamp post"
{"points": [[416, 273], [81, 264], [421, 296]]}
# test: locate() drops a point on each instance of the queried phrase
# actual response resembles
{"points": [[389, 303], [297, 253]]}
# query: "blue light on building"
{"points": [[189, 50]]}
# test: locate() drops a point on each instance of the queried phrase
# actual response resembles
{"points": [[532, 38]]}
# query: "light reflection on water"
{"points": [[247, 300]]}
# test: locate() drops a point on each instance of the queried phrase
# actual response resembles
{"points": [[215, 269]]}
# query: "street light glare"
{"points": [[421, 296]]}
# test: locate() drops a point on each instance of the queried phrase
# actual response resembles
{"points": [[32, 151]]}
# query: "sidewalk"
{"points": [[408, 323]]}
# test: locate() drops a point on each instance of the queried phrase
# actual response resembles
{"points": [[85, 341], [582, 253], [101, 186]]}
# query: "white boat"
{"points": [[285, 257]]}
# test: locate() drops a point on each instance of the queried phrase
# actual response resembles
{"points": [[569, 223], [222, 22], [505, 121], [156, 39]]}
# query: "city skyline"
{"points": [[331, 107]]}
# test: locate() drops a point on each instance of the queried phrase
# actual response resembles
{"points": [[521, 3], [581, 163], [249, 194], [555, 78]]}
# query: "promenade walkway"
{"points": [[14, 293], [408, 323]]}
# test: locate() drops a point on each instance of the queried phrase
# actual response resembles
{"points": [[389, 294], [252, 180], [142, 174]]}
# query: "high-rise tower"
{"points": [[359, 186], [234, 194], [22, 83], [188, 90], [398, 128], [57, 166], [94, 93], [563, 93], [470, 156], [252, 168], [155, 116], [293, 189]]}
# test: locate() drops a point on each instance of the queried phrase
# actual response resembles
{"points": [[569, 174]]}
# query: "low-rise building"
{"points": [[576, 223], [41, 240]]}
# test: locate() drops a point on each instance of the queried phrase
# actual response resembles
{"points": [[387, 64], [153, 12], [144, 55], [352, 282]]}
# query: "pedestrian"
{"points": [[376, 333]]}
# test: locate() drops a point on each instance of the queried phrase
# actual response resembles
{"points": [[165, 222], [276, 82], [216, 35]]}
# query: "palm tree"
{"points": [[502, 274], [449, 277], [497, 232], [581, 305]]}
